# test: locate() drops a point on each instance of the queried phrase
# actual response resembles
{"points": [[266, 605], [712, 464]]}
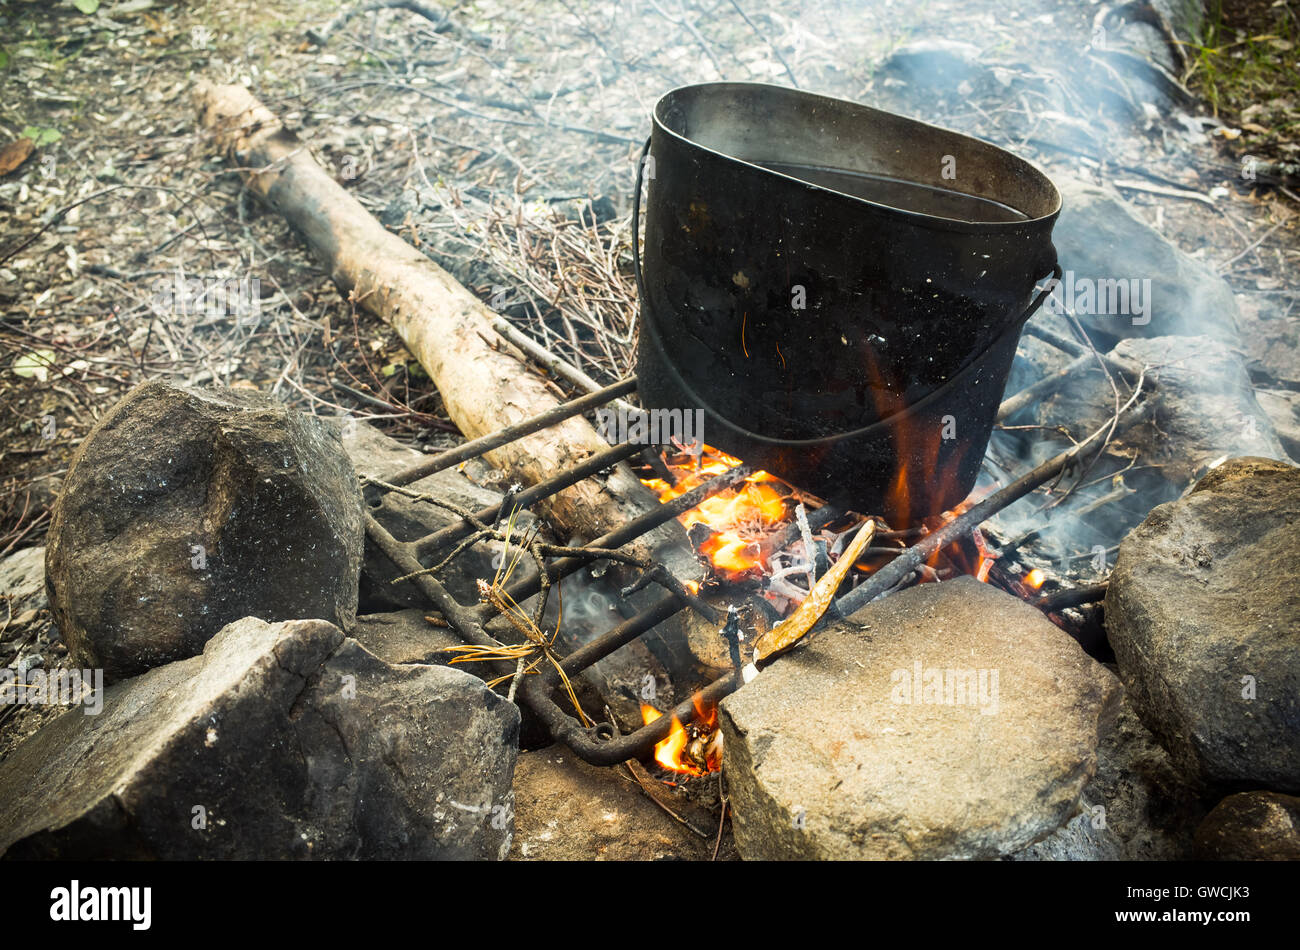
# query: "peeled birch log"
{"points": [[484, 381]]}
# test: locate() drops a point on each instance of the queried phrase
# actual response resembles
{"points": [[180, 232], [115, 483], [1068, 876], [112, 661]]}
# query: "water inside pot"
{"points": [[904, 195]]}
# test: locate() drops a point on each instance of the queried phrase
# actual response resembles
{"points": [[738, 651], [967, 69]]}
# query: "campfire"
{"points": [[766, 493], [692, 750], [767, 535]]}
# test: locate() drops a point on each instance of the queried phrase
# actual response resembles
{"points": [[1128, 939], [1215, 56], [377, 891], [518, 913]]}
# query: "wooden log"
{"points": [[484, 381]]}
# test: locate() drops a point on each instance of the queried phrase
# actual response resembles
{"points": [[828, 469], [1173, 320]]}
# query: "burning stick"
{"points": [[791, 630]]}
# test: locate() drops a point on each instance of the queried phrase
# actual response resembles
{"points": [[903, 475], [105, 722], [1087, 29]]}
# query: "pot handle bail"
{"points": [[1012, 326]]}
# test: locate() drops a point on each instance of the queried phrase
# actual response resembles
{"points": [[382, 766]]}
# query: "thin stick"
{"points": [[1072, 598], [775, 52], [660, 798], [549, 361], [514, 683], [722, 818]]}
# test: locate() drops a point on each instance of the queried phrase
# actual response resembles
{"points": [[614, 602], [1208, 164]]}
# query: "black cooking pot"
{"points": [[839, 289]]}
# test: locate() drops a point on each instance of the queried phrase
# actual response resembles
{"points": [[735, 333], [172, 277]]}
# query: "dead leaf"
{"points": [[14, 154]]}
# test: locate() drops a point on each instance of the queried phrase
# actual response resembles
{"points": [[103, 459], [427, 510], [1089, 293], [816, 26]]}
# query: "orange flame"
{"points": [[739, 518], [1034, 579], [675, 752]]}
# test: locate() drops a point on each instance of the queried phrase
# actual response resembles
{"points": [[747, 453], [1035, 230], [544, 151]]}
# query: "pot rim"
{"points": [[917, 218]]}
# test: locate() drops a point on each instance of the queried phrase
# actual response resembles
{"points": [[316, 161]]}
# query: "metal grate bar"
{"points": [[527, 585], [623, 634], [487, 443], [531, 495], [599, 745]]}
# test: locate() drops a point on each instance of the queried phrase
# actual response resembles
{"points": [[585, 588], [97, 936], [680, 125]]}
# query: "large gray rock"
{"points": [[1283, 410], [1251, 826], [831, 753], [187, 509], [1205, 407], [933, 66], [1099, 238], [1270, 335], [28, 639], [280, 741], [1136, 808], [1203, 612], [405, 637]]}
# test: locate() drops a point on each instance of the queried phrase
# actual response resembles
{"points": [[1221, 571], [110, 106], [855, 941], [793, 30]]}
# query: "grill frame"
{"points": [[600, 744]]}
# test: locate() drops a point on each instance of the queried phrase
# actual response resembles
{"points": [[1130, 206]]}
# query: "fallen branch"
{"points": [[483, 380]]}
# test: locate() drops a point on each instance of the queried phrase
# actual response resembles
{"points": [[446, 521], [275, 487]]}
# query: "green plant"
{"points": [[1235, 68], [41, 136]]}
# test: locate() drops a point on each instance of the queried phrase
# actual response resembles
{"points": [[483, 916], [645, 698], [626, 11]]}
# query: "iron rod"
{"points": [[487, 443], [623, 634], [529, 496], [534, 690], [527, 585], [897, 569]]}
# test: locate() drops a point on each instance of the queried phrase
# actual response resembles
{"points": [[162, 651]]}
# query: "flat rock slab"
{"points": [[187, 509], [950, 720], [405, 637], [1203, 611], [1137, 807], [280, 741], [1099, 238], [22, 581], [1205, 408], [567, 810]]}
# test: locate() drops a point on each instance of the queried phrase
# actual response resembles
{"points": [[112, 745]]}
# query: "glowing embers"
{"points": [[757, 536], [737, 520]]}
